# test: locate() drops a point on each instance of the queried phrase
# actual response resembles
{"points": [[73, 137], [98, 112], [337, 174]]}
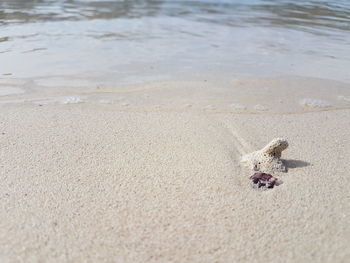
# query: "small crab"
{"points": [[263, 180]]}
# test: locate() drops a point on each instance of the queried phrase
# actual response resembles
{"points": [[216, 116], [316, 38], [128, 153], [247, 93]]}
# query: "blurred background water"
{"points": [[143, 40]]}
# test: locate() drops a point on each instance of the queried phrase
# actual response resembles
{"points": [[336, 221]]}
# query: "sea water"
{"points": [[84, 43]]}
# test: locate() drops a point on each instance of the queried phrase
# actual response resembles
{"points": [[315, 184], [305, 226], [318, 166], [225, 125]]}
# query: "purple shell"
{"points": [[263, 180]]}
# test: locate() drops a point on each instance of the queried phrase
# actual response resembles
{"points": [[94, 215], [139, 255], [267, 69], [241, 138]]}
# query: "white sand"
{"points": [[102, 183]]}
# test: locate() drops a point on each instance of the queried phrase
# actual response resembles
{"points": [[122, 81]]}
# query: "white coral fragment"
{"points": [[267, 159]]}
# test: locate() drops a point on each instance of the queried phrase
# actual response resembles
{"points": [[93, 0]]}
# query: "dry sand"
{"points": [[88, 182]]}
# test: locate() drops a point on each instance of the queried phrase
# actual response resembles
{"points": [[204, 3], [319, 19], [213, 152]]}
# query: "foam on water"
{"points": [[314, 103], [344, 98], [62, 100], [238, 106], [71, 100], [260, 107]]}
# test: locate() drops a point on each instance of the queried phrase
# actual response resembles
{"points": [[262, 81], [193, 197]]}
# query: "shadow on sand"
{"points": [[291, 164]]}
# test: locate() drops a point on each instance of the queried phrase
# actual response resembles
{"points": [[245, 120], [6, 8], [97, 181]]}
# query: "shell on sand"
{"points": [[264, 181]]}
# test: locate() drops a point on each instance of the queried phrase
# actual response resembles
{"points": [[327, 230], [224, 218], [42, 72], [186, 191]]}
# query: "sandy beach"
{"points": [[131, 131], [108, 182]]}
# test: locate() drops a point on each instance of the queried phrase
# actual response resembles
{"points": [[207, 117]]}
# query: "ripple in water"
{"points": [[94, 38]]}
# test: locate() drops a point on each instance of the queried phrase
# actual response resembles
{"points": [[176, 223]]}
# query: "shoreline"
{"points": [[220, 94]]}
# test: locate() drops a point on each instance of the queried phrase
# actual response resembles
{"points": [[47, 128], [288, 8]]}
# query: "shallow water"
{"points": [[97, 41], [260, 56]]}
